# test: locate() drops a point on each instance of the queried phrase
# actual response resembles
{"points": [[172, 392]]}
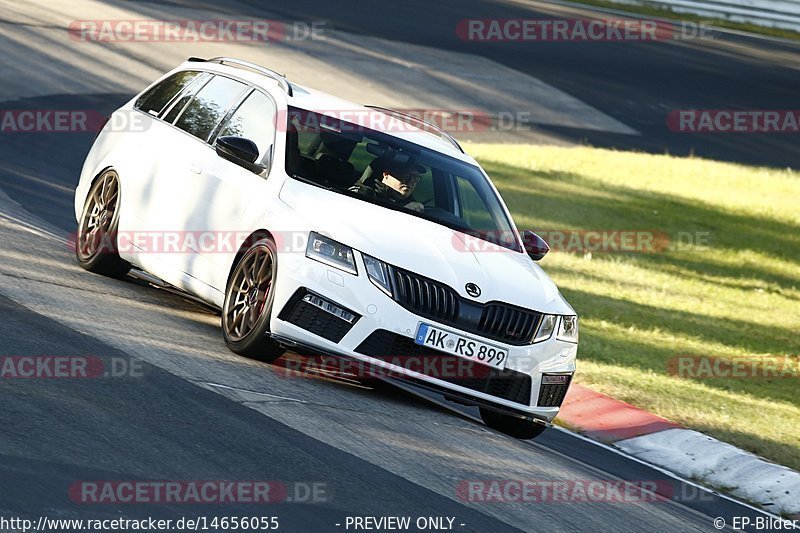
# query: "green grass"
{"points": [[658, 11], [736, 296]]}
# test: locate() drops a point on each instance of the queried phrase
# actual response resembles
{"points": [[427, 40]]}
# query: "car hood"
{"points": [[426, 248]]}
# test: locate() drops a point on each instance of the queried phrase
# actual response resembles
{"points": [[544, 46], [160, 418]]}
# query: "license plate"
{"points": [[455, 344]]}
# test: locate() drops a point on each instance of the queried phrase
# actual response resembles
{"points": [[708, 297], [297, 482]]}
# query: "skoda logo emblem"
{"points": [[473, 290]]}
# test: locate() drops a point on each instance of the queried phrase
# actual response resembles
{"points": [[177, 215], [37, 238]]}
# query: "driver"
{"points": [[393, 183]]}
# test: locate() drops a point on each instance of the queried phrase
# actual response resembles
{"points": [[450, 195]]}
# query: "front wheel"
{"points": [[519, 428], [248, 304]]}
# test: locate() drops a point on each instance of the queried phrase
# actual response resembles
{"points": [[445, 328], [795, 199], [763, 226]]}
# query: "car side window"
{"points": [[255, 120], [155, 99], [209, 106], [174, 109]]}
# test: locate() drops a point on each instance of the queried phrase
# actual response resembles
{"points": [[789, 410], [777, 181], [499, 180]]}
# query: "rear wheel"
{"points": [[96, 241], [248, 304], [520, 428]]}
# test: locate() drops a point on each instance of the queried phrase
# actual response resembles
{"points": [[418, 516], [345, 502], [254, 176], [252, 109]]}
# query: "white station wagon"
{"points": [[312, 231]]}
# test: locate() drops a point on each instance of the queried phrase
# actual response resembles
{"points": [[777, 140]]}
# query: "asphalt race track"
{"points": [[636, 83], [192, 410]]}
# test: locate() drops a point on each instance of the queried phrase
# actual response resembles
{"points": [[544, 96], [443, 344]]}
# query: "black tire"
{"points": [[248, 304], [96, 240], [519, 428]]}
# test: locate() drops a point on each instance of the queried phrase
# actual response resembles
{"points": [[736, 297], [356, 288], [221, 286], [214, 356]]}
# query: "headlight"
{"points": [[331, 253], [378, 273], [546, 327], [568, 329]]}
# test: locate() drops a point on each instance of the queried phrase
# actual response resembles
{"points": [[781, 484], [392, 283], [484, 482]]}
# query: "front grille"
{"points": [[434, 300], [510, 324], [553, 395], [425, 297], [313, 319], [397, 349]]}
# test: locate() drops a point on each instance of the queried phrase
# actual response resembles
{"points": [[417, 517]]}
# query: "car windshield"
{"points": [[351, 159]]}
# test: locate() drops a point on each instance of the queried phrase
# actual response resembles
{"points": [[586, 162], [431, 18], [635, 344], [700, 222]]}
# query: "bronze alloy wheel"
{"points": [[248, 303]]}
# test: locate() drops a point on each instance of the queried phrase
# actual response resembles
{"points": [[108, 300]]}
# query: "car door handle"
{"points": [[194, 167]]}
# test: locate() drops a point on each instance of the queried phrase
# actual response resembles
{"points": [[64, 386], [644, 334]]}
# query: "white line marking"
{"points": [[252, 392]]}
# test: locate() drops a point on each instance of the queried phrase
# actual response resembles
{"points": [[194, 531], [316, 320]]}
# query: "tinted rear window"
{"points": [[209, 106], [159, 96]]}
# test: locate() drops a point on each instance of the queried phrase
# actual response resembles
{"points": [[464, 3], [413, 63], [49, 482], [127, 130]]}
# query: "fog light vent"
{"points": [[318, 315], [553, 389]]}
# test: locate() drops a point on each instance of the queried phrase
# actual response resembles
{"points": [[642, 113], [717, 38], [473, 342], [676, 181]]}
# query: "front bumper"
{"points": [[376, 330]]}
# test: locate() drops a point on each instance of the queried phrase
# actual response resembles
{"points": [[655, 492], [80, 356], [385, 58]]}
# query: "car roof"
{"points": [[321, 102]]}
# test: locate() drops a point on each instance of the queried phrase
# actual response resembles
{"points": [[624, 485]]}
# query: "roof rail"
{"points": [[280, 78], [416, 121]]}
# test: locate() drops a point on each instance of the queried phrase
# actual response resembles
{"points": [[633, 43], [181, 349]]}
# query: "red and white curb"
{"points": [[685, 452]]}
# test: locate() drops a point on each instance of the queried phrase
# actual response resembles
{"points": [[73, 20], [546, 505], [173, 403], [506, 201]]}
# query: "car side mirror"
{"points": [[535, 246], [240, 151]]}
